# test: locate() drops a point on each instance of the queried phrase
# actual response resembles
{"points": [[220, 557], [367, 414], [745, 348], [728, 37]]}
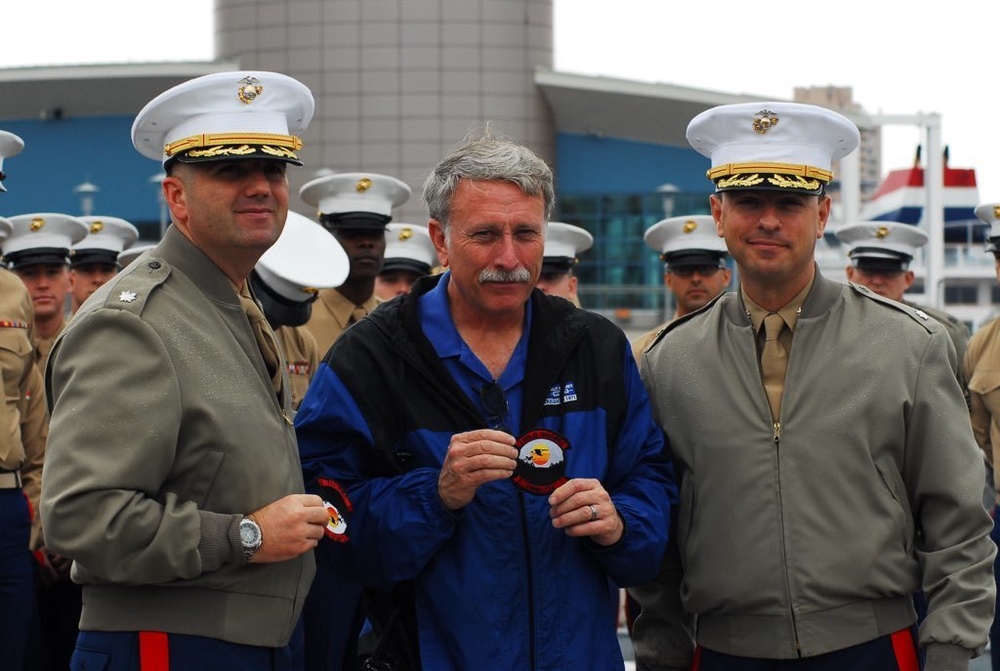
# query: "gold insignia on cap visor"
{"points": [[36, 224], [250, 90], [764, 121], [405, 233], [363, 185], [881, 232], [996, 211], [750, 170], [97, 227], [234, 144], [689, 226]]}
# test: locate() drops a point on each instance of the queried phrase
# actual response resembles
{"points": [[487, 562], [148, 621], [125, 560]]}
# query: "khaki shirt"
{"points": [[643, 341], [301, 357], [331, 314], [43, 347], [25, 422], [982, 366], [16, 365]]}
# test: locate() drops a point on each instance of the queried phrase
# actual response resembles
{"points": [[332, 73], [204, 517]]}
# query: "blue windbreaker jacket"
{"points": [[494, 585]]}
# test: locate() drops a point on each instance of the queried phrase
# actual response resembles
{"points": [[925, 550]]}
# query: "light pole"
{"points": [[86, 191]]}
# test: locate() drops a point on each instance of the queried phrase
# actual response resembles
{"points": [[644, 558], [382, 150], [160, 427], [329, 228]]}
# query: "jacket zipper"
{"points": [[530, 581], [781, 513]]}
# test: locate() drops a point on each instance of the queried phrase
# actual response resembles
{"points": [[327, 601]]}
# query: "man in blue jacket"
{"points": [[502, 472]]}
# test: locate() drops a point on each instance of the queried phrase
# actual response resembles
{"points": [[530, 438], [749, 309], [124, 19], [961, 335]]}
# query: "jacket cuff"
{"points": [[944, 657], [220, 541]]}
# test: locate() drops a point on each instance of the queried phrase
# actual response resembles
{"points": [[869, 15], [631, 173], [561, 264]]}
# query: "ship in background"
{"points": [[900, 196], [970, 285]]}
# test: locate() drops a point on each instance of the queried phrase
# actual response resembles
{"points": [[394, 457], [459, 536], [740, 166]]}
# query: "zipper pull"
{"points": [[777, 432]]}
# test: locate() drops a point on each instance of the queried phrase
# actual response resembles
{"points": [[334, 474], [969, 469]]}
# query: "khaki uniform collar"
{"points": [[789, 312]]}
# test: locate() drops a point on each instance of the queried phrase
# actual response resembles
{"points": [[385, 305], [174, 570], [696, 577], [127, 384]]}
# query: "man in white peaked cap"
{"points": [[355, 208], [820, 434], [22, 446], [94, 260], [173, 479], [982, 367], [38, 251], [694, 265], [563, 245], [409, 255]]}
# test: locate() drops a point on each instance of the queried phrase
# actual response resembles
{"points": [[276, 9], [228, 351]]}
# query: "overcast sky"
{"points": [[900, 57]]}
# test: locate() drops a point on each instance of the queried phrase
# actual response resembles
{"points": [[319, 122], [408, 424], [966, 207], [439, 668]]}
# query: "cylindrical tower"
{"points": [[399, 82]]}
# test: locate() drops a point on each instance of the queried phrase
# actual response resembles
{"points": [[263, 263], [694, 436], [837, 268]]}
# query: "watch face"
{"points": [[249, 533]]}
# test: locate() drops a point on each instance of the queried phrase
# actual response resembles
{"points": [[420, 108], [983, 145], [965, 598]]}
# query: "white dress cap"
{"points": [[566, 241], [355, 192], [129, 255], [687, 234], [226, 116], [408, 247], [989, 213], [106, 238], [10, 145], [303, 260], [778, 146], [42, 238], [882, 240]]}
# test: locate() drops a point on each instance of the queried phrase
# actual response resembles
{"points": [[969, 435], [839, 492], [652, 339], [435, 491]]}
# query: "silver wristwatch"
{"points": [[250, 536]]}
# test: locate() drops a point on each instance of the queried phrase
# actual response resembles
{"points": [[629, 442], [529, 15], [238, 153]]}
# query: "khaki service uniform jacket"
{"points": [[43, 347], [331, 314], [25, 424], [811, 534], [302, 357], [165, 431], [982, 363]]}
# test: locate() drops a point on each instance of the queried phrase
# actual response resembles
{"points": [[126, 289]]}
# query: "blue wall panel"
{"points": [[60, 154], [589, 164]]}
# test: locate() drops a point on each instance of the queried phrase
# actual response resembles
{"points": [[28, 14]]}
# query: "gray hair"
{"points": [[487, 157]]}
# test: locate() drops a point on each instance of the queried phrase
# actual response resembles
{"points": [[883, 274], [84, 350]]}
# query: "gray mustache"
{"points": [[504, 276]]}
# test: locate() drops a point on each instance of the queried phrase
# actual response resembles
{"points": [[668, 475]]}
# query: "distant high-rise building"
{"points": [[841, 99]]}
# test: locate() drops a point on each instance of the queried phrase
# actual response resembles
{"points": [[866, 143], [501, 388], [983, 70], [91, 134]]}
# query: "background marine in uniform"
{"points": [[94, 260], [409, 255], [22, 449], [982, 366], [287, 281], [563, 245], [38, 251], [355, 208], [694, 265]]}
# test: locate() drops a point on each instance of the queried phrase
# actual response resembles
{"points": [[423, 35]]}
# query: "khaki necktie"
{"points": [[357, 314], [773, 362], [266, 342]]}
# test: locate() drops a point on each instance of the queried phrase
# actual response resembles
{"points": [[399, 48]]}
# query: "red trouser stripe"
{"points": [[696, 660], [906, 651], [154, 655]]}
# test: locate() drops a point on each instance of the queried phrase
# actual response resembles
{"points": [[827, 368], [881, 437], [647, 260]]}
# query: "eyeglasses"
{"points": [[688, 271], [495, 404]]}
